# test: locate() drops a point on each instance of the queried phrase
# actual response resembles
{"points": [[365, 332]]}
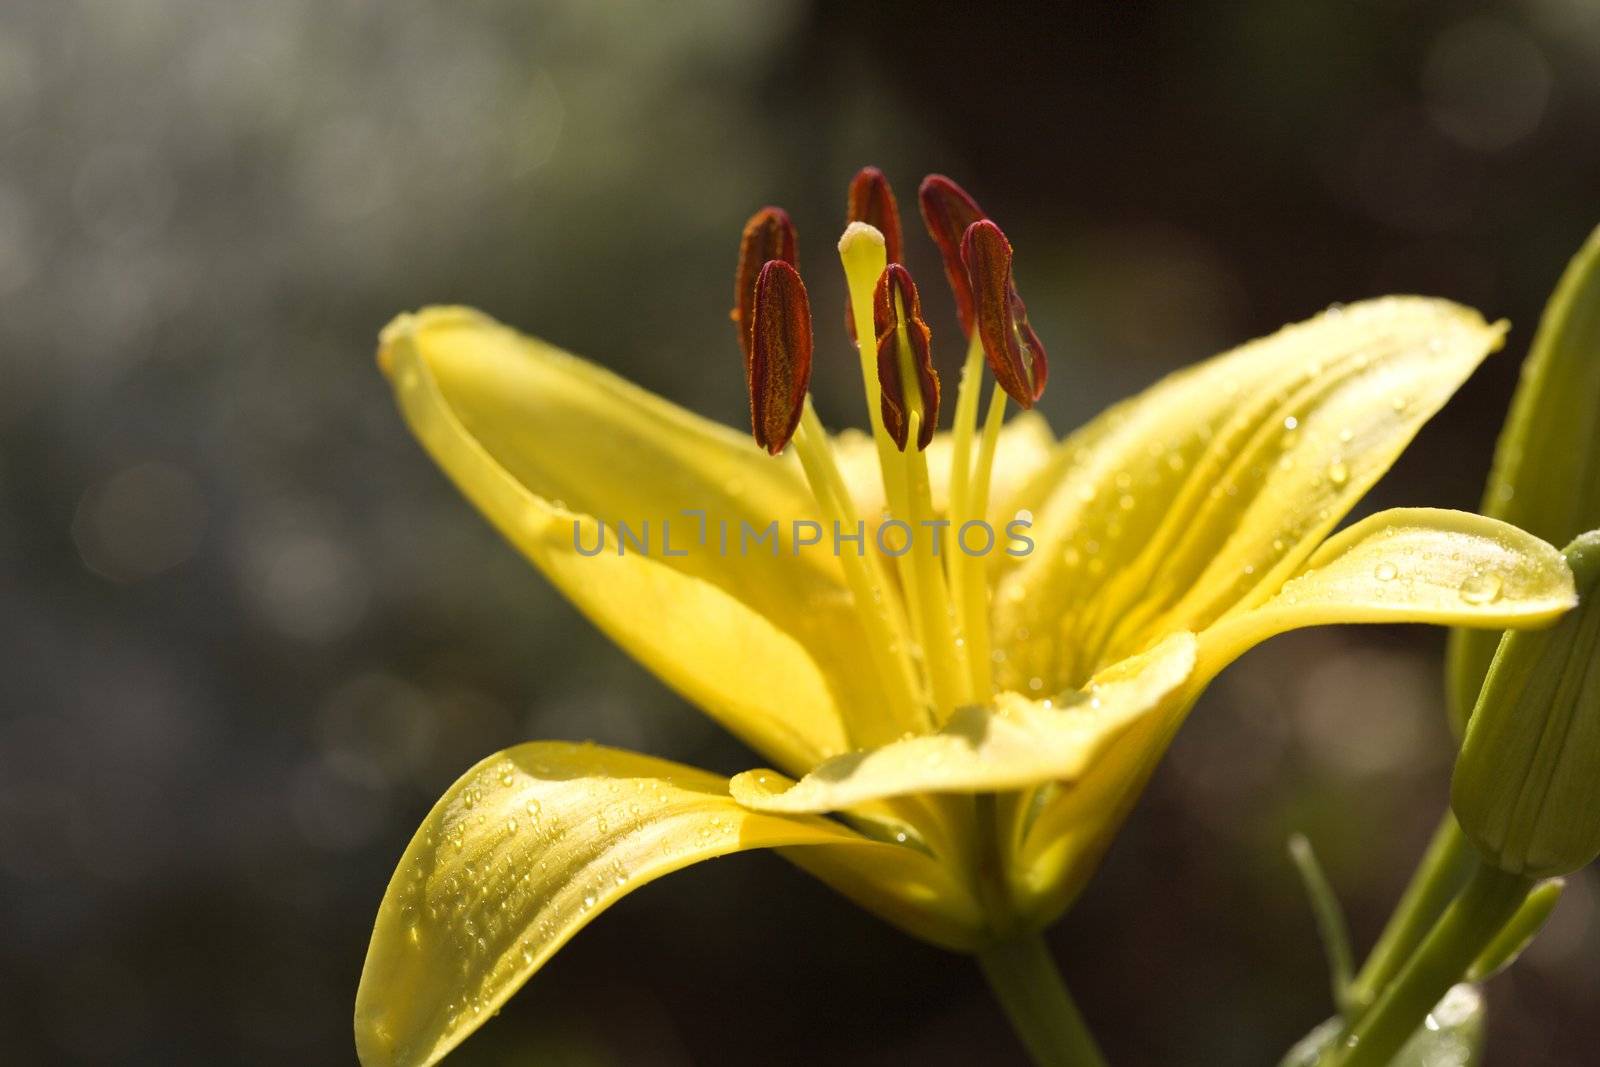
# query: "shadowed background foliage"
{"points": [[250, 633]]}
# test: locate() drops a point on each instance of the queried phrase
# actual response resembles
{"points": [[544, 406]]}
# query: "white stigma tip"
{"points": [[857, 235]]}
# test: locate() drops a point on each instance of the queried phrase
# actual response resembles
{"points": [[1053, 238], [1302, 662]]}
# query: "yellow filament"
{"points": [[966, 418], [944, 656], [966, 421], [973, 592], [885, 634]]}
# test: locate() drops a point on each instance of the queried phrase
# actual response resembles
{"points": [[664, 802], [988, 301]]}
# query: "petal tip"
{"points": [[406, 326], [394, 333]]}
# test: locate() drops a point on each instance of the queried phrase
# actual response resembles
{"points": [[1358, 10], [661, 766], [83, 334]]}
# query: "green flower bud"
{"points": [[1546, 475], [1527, 782]]}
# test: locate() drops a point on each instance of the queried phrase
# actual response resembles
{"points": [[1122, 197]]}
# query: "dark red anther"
{"points": [[872, 201], [767, 236], [895, 302], [1013, 350], [947, 211], [780, 354]]}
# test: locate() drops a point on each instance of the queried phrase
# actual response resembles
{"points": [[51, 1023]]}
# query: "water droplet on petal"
{"points": [[1386, 572], [1338, 473], [1482, 589]]}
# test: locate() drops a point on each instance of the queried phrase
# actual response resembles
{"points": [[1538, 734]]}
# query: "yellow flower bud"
{"points": [[1546, 475], [1527, 782]]}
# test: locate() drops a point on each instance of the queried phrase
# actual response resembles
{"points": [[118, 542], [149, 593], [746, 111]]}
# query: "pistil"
{"points": [[863, 254]]}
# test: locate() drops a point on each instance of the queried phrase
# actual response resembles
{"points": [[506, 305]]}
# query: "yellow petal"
{"points": [[1026, 445], [1013, 744], [1450, 568], [1209, 489], [546, 445], [534, 842]]}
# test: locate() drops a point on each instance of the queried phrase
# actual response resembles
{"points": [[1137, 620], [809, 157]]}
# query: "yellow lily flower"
{"points": [[957, 735]]}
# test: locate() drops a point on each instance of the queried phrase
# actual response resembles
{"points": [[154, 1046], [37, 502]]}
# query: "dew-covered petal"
{"points": [[1449, 568], [1412, 565], [1013, 744], [1209, 489], [548, 446], [534, 842]]}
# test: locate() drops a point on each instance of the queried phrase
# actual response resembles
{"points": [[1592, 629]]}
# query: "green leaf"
{"points": [[1519, 933]]}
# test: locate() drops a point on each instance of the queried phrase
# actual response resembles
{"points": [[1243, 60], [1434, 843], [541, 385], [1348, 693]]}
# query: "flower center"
{"points": [[920, 584]]}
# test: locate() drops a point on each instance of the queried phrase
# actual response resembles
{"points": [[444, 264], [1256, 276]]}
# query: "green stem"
{"points": [[1440, 873], [1025, 981], [1489, 900]]}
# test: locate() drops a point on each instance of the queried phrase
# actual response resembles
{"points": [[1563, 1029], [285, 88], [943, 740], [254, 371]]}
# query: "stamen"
{"points": [[767, 236], [904, 349], [947, 211], [1014, 351], [780, 355], [871, 201]]}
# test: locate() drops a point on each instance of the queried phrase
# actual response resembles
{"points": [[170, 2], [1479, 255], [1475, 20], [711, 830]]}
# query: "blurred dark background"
{"points": [[249, 632]]}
